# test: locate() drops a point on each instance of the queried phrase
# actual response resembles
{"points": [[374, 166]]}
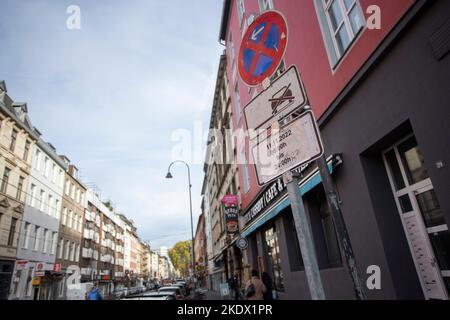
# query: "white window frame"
{"points": [[26, 243], [70, 219], [50, 205], [57, 211], [64, 216], [245, 171], [54, 243], [37, 162], [42, 204], [46, 241], [67, 250], [61, 248], [241, 11], [323, 8], [237, 103], [37, 235], [32, 201], [265, 5]]}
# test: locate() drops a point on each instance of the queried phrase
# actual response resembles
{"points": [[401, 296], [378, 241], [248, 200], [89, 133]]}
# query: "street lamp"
{"points": [[169, 176]]}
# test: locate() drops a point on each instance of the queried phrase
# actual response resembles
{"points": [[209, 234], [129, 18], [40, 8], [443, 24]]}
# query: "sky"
{"points": [[112, 95]]}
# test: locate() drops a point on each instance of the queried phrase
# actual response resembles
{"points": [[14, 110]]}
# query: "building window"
{"points": [[33, 195], [57, 211], [61, 248], [341, 21], [241, 11], [61, 179], [51, 209], [70, 219], [72, 251], [64, 216], [26, 150], [67, 251], [77, 253], [5, 180], [46, 240], [54, 242], [12, 146], [245, 171], [265, 5], [37, 235], [237, 102], [67, 187], [12, 232], [72, 191], [26, 243], [54, 173], [273, 252], [19, 188], [46, 167], [42, 206], [37, 161]]}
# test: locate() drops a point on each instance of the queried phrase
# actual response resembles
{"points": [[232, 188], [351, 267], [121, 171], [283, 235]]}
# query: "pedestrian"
{"points": [[94, 294], [268, 295], [255, 288], [236, 286]]}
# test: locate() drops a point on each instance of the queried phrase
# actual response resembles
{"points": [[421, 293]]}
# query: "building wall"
{"points": [[11, 197], [306, 49], [384, 103]]}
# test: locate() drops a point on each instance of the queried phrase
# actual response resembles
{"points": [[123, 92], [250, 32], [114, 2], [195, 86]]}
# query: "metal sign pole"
{"points": [[336, 212], [304, 236]]}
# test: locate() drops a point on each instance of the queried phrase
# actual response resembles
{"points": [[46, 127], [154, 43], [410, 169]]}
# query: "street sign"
{"points": [[242, 243], [21, 264], [39, 273], [293, 145], [230, 200], [262, 48], [281, 98], [40, 266], [57, 267]]}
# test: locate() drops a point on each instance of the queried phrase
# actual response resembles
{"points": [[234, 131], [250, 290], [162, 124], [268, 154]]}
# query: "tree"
{"points": [[180, 255]]}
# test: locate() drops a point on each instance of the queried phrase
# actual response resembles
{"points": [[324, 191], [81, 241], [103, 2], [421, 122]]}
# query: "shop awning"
{"points": [[305, 186]]}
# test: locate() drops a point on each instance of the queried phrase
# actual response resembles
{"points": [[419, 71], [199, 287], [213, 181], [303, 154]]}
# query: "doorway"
{"points": [[421, 215]]}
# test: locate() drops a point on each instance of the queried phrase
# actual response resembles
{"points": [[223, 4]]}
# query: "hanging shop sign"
{"points": [[230, 203], [242, 243], [231, 218]]}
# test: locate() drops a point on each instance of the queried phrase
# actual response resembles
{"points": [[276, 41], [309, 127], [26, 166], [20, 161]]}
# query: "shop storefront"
{"points": [[269, 228]]}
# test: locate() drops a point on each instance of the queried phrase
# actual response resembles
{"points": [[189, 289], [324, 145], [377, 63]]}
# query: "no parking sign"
{"points": [[263, 47]]}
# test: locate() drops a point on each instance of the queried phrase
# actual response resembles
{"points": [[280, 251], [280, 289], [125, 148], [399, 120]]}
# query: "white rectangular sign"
{"points": [[291, 146], [283, 96]]}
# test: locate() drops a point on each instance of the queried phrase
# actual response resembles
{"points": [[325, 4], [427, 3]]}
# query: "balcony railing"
{"points": [[89, 216], [86, 271], [89, 234], [87, 253]]}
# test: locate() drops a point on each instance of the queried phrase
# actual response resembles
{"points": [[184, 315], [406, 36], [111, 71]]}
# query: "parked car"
{"points": [[174, 290], [153, 296], [182, 288]]}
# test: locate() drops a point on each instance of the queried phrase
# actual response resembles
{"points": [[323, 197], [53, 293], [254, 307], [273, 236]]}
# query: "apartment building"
{"points": [[221, 179], [70, 236], [17, 139], [40, 226]]}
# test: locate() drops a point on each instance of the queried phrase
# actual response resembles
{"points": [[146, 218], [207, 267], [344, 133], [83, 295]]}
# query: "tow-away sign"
{"points": [[291, 146]]}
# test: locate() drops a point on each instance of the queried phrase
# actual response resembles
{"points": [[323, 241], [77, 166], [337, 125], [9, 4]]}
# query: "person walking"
{"points": [[255, 288], [94, 294], [268, 295]]}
